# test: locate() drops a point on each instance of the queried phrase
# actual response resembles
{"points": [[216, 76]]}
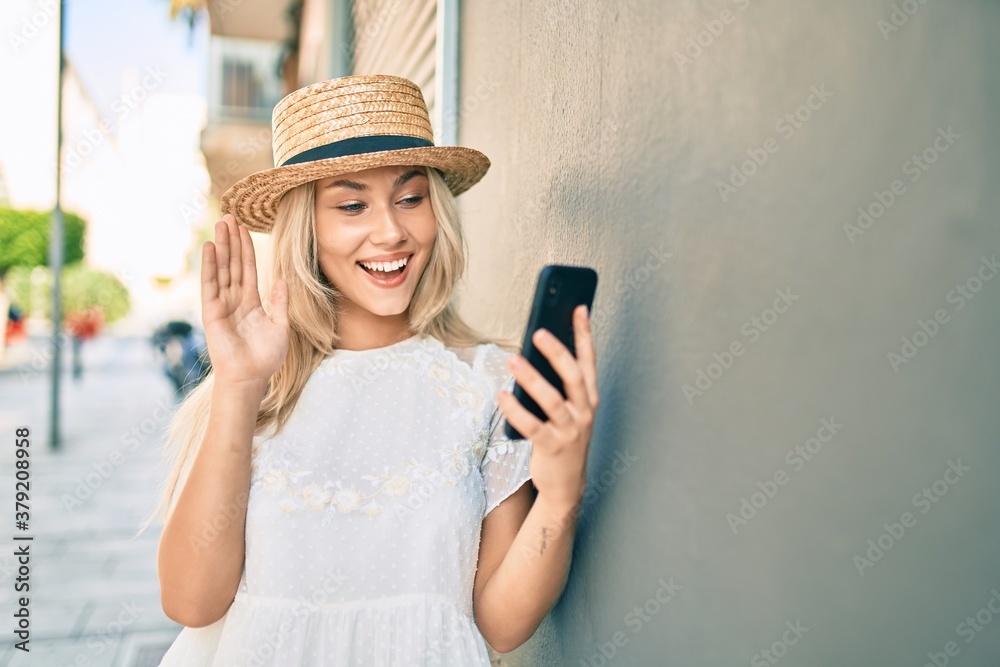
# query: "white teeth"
{"points": [[385, 266]]}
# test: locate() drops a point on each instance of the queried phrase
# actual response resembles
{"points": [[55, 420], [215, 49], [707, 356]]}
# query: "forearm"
{"points": [[202, 547], [531, 577]]}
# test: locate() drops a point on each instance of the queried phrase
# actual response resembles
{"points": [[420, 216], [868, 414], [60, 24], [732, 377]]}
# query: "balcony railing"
{"points": [[244, 84]]}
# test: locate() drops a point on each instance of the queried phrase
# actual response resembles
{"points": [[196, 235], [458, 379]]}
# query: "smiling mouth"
{"points": [[382, 274]]}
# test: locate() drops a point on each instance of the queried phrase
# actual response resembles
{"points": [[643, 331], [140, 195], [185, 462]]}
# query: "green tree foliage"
{"points": [[24, 238], [82, 287]]}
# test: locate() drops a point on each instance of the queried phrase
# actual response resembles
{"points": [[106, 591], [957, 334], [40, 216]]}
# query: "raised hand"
{"points": [[246, 344]]}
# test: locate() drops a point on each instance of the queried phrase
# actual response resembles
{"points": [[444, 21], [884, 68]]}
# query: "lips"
{"points": [[387, 278]]}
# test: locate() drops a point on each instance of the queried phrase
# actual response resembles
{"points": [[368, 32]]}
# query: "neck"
{"points": [[365, 330]]}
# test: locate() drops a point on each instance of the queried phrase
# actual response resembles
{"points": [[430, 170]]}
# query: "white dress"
{"points": [[364, 516]]}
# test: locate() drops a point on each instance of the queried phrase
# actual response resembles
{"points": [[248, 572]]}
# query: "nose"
{"points": [[387, 230]]}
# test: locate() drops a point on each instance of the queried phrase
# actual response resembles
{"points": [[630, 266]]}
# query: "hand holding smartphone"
{"points": [[560, 289]]}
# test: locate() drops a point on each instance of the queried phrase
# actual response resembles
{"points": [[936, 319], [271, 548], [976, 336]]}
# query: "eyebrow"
{"points": [[361, 187]]}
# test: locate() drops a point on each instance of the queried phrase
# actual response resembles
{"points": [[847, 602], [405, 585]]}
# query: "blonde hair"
{"points": [[313, 320]]}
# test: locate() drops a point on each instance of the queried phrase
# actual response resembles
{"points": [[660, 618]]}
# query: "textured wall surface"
{"points": [[810, 496]]}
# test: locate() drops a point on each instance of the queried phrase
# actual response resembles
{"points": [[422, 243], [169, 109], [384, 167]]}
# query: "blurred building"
{"points": [[247, 47], [28, 159], [261, 51], [416, 39], [133, 170], [159, 206], [244, 84]]}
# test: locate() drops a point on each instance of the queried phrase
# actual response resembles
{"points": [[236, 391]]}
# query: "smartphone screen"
{"points": [[560, 289]]}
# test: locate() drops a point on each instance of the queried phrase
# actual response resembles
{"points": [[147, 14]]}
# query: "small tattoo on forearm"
{"points": [[546, 531]]}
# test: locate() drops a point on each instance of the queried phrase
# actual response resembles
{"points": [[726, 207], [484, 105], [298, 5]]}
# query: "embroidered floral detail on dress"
{"points": [[495, 452], [271, 471], [346, 500], [317, 497], [273, 476], [277, 480]]}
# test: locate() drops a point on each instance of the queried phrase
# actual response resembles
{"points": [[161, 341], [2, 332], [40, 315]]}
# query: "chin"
{"points": [[383, 310], [385, 307]]}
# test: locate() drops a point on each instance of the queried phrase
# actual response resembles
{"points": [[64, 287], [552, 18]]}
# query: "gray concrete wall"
{"points": [[608, 150]]}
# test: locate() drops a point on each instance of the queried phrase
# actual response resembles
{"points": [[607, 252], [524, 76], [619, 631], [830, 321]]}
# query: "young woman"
{"points": [[343, 492]]}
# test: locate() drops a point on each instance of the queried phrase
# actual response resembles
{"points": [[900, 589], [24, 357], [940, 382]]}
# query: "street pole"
{"points": [[56, 249]]}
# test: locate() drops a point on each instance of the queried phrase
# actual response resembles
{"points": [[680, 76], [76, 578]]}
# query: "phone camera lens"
{"points": [[553, 293]]}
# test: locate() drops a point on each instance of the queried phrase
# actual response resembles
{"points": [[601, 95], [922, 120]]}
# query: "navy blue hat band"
{"points": [[357, 146]]}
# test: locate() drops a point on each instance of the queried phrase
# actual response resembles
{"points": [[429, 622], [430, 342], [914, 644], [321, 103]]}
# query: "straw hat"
{"points": [[345, 125]]}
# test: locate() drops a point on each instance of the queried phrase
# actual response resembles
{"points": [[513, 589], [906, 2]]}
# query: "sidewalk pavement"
{"points": [[94, 593]]}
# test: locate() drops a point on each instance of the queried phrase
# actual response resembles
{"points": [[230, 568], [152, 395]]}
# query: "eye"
{"points": [[412, 201], [351, 208]]}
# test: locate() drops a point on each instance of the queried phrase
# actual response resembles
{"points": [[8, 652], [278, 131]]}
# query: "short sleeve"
{"points": [[506, 464]]}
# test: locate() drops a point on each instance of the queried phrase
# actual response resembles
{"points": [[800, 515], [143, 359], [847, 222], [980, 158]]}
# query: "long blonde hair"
{"points": [[313, 320]]}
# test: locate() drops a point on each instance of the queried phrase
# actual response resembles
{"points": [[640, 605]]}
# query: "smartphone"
{"points": [[560, 289]]}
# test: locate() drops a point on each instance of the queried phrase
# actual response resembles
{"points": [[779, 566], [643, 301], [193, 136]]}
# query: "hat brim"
{"points": [[254, 199]]}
